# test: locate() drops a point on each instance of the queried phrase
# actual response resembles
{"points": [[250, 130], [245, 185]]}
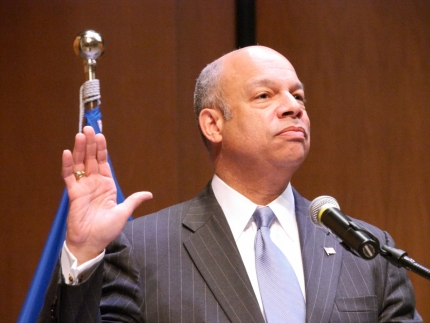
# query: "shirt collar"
{"points": [[238, 209]]}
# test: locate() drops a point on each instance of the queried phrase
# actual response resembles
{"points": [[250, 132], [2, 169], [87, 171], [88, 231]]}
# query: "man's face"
{"points": [[269, 124]]}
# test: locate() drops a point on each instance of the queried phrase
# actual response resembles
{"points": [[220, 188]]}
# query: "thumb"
{"points": [[134, 200]]}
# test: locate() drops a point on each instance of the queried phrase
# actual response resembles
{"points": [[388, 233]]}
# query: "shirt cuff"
{"points": [[74, 274]]}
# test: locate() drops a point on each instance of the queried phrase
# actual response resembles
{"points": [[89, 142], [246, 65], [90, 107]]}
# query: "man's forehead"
{"points": [[253, 58], [258, 66], [254, 53]]}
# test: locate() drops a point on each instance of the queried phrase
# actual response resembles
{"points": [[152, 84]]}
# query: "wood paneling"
{"points": [[366, 68], [154, 52]]}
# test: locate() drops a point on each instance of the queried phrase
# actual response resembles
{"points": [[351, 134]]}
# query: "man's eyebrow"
{"points": [[268, 82], [261, 81], [300, 86]]}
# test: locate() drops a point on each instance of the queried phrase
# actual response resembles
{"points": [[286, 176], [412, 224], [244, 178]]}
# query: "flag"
{"points": [[36, 294]]}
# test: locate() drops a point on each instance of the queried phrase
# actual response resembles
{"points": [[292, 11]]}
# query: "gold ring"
{"points": [[79, 174]]}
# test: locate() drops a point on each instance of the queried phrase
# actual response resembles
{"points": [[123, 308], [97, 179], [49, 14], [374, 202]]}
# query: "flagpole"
{"points": [[89, 45]]}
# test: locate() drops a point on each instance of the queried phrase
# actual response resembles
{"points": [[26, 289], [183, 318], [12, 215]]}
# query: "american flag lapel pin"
{"points": [[329, 251]]}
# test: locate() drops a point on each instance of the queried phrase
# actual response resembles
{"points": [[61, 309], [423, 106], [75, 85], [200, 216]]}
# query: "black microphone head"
{"points": [[319, 203]]}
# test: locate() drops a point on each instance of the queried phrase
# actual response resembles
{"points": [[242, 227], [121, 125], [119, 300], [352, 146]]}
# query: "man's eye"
{"points": [[299, 97], [263, 96]]}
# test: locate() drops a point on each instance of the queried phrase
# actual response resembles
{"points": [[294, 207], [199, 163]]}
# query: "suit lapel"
{"points": [[321, 271], [215, 254]]}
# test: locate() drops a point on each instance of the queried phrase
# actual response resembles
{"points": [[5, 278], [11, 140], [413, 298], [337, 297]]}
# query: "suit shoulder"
{"points": [[177, 211], [302, 208]]}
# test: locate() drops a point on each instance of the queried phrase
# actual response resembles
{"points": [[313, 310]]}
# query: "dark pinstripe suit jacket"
{"points": [[182, 265]]}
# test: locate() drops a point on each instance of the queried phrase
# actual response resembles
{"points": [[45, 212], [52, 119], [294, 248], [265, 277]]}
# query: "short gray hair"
{"points": [[208, 92]]}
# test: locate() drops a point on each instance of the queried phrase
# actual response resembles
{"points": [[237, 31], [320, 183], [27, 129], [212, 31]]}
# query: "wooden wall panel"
{"points": [[195, 50], [365, 66], [366, 69], [154, 52]]}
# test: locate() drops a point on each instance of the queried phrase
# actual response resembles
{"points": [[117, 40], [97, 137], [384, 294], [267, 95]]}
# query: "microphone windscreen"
{"points": [[319, 203]]}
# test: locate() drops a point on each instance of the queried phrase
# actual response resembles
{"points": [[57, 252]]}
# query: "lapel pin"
{"points": [[329, 251]]}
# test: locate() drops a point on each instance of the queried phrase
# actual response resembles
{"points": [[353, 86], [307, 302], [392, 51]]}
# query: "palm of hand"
{"points": [[94, 218]]}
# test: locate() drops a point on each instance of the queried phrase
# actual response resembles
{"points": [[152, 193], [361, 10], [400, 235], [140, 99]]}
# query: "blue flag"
{"points": [[36, 294]]}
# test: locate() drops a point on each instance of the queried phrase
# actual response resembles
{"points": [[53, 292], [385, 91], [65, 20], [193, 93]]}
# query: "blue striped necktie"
{"points": [[279, 287]]}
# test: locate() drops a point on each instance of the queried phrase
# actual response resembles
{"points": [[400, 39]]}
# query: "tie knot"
{"points": [[263, 216]]}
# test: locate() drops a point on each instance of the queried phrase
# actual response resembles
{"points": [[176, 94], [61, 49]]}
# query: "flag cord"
{"points": [[90, 91]]}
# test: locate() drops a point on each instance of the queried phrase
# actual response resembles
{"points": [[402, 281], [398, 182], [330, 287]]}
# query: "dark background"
{"points": [[365, 65]]}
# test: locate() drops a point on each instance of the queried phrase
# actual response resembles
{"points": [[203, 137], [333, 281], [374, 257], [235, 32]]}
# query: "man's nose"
{"points": [[290, 107]]}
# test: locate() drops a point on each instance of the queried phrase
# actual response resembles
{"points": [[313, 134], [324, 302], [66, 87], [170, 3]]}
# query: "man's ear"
{"points": [[211, 122]]}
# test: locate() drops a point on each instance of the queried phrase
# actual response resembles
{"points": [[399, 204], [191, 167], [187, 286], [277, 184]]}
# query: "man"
{"points": [[196, 262]]}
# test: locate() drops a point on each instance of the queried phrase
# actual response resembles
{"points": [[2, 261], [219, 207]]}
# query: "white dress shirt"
{"points": [[238, 210]]}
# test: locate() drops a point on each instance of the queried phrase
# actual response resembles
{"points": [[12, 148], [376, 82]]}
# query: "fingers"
{"points": [[67, 168], [102, 156], [79, 153], [91, 165], [90, 154]]}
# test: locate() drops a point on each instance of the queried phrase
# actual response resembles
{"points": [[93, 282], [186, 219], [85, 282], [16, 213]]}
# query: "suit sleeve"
{"points": [[399, 297], [68, 303], [111, 293]]}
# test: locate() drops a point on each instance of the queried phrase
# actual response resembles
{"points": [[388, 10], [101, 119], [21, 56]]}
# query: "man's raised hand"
{"points": [[94, 218]]}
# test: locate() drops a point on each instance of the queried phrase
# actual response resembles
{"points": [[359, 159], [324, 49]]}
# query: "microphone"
{"points": [[325, 211]]}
